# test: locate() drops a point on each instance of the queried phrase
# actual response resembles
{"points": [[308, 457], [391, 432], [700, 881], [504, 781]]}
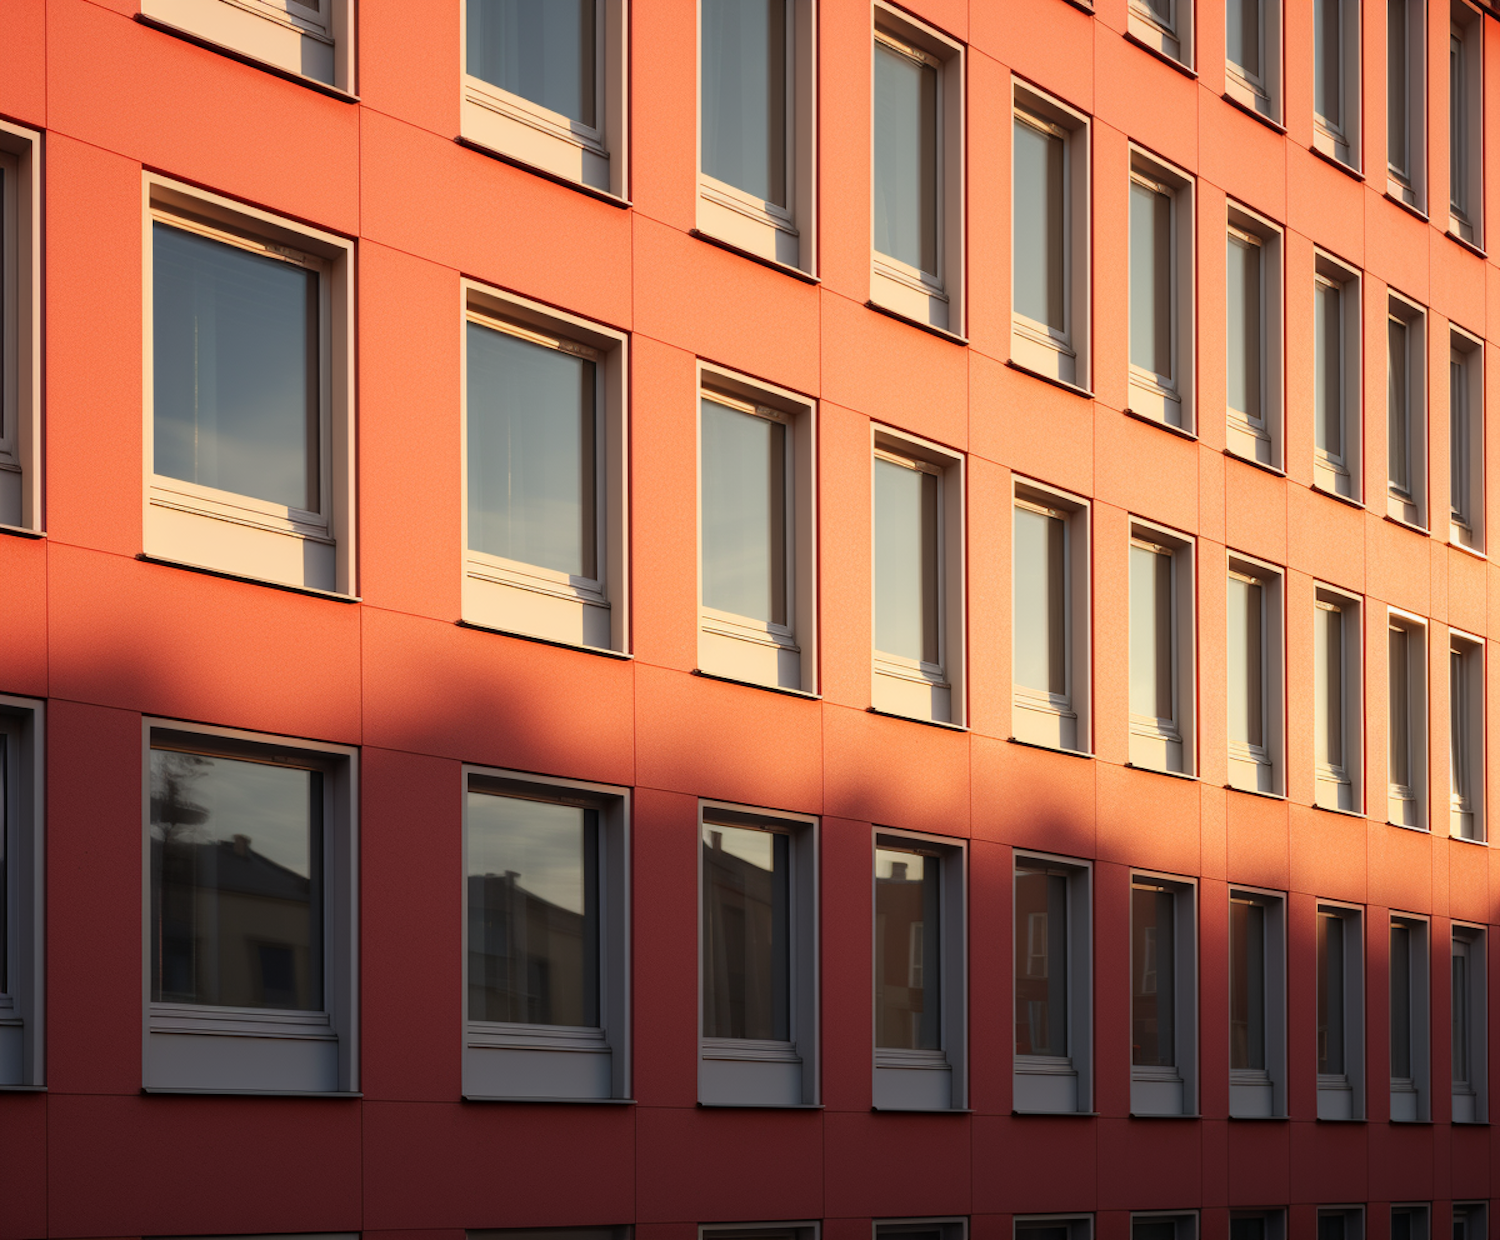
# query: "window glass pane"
{"points": [[744, 513], [7, 758], [1151, 627], [1152, 969], [1330, 948], [1153, 1229], [1460, 1015], [1244, 296], [1151, 280], [906, 159], [532, 480], [1328, 79], [907, 960], [1401, 1228], [1328, 383], [1040, 595], [1040, 226], [1400, 721], [1242, 35], [1398, 409], [1246, 688], [542, 50], [236, 883], [1458, 440], [1328, 651], [1247, 1228], [1458, 164], [1397, 101], [906, 564], [1247, 985], [744, 95], [235, 369], [1041, 963], [533, 875], [1458, 729], [1332, 1227], [746, 933], [1401, 1002]]}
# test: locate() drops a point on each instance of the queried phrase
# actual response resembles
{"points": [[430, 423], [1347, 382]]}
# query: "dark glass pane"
{"points": [[1328, 379], [542, 50], [1247, 985], [1153, 1229], [1330, 951], [1151, 280], [1152, 975], [1397, 99], [744, 95], [1244, 302], [1401, 1002], [746, 933], [1332, 1227], [1041, 937], [907, 959], [1328, 79], [1460, 1013], [1401, 1225], [1248, 1227], [6, 760], [906, 191]]}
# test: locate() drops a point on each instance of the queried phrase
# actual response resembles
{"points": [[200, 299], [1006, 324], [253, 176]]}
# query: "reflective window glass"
{"points": [[1151, 345], [906, 155], [744, 95], [1040, 601], [1039, 225], [1153, 947], [744, 513], [906, 561], [541, 50], [907, 961], [1041, 968]]}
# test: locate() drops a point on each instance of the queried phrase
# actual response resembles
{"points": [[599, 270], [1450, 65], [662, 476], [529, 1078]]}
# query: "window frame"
{"points": [[1408, 186], [210, 1049], [1262, 439], [948, 1227], [1170, 399], [1256, 1093], [501, 1056], [1412, 798], [1471, 1210], [23, 845], [21, 477], [1411, 1097], [1470, 1098], [1171, 1090], [1466, 219], [1264, 771], [1341, 1095], [1467, 747], [1408, 505], [1260, 94], [1147, 736], [1172, 39], [1342, 142], [1342, 474], [1334, 782], [272, 33], [1466, 452]]}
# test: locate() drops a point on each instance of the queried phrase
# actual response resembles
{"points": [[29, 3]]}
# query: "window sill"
{"points": [[1165, 1115], [1342, 813], [1411, 1123], [1158, 770], [1256, 792], [1269, 122], [1468, 245], [755, 684], [761, 1106], [605, 651], [331, 595], [1456, 546], [785, 268], [1407, 525], [1354, 174], [1401, 826], [603, 195], [1457, 1123], [1274, 470], [1170, 61], [1063, 1114], [941, 332], [1353, 1119], [1069, 753], [1343, 499], [286, 75], [169, 1090], [930, 723], [1052, 379], [923, 1110], [1083, 6], [1408, 207], [21, 531], [1464, 839], [42, 1089], [1258, 1119], [588, 1102], [1179, 431]]}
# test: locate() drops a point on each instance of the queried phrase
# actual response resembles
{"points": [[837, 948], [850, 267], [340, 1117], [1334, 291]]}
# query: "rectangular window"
{"points": [[544, 84], [1341, 1223], [1338, 745], [1253, 652], [1161, 292], [757, 82], [1466, 124], [1336, 78], [1406, 101], [1468, 1026], [1336, 379], [1165, 26], [1470, 1220], [922, 1229], [1253, 338], [1163, 985], [738, 1231], [1050, 238], [312, 39], [1340, 1004], [1407, 723], [544, 494], [1053, 985], [1050, 618], [1466, 479], [1257, 1225], [1466, 736], [1162, 662], [20, 328], [1252, 55], [1054, 1227], [758, 952], [22, 850], [251, 913], [1410, 1222], [1406, 412], [1163, 1227], [918, 179], [920, 1000], [1410, 1074], [918, 559], [1257, 1004]]}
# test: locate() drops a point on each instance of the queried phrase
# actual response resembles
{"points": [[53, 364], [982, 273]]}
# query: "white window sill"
{"points": [[557, 178], [1161, 424], [545, 641], [1161, 770], [21, 531], [902, 317], [265, 66], [757, 684], [931, 723], [1076, 389], [252, 1093], [1332, 158], [1071, 753], [797, 273], [168, 562], [514, 1098]]}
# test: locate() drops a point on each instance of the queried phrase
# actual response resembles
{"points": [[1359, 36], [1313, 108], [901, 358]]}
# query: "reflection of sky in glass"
{"points": [[540, 840], [754, 847], [269, 804], [886, 858]]}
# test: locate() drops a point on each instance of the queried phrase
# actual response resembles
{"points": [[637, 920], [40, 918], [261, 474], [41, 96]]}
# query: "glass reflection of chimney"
{"points": [[898, 871]]}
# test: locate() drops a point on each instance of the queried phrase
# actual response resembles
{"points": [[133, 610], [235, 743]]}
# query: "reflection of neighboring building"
{"points": [[528, 957], [738, 944], [899, 953]]}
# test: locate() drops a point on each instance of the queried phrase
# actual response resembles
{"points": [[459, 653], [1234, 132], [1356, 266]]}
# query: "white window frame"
{"points": [[929, 1080], [1260, 93], [1061, 1085], [1471, 1103], [933, 299], [1407, 803], [1466, 218], [1152, 741], [1408, 186], [1061, 355], [1466, 450], [1341, 142], [1411, 1097], [23, 1009], [1171, 1090], [592, 157], [1339, 785], [932, 692], [1172, 38], [786, 236], [1341, 1096], [1409, 505], [204, 1049], [1263, 768], [1343, 475], [1253, 1092], [1262, 438], [290, 38], [755, 1072], [737, 647], [21, 479], [1467, 819], [1171, 399], [505, 1061], [1038, 718], [528, 600], [237, 535]]}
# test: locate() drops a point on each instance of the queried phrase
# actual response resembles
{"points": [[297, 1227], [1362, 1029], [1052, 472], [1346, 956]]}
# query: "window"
{"points": [[1162, 661], [1252, 55], [920, 971], [312, 39], [1470, 1220], [1466, 736], [553, 1233], [922, 1229], [1407, 728], [1469, 1026], [1406, 102], [544, 83], [1054, 1227], [1410, 1222], [757, 533], [759, 1043], [20, 328], [1410, 1062], [1161, 292], [1257, 1225], [918, 579], [1054, 987], [1466, 124], [1163, 997], [1406, 413], [1338, 716], [1050, 238], [1254, 330], [1336, 379], [1466, 441], [251, 922], [761, 1231], [1254, 659], [757, 91], [1163, 1227], [249, 384], [1341, 1223], [1165, 26], [544, 473], [546, 934], [1336, 73], [918, 166], [1340, 1005], [1257, 1003], [1050, 618], [22, 852]]}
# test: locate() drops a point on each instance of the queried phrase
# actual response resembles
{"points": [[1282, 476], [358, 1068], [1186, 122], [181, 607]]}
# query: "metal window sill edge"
{"points": [[1342, 813], [1456, 546], [786, 269], [1256, 792], [1157, 770], [1052, 379], [1403, 826], [1062, 1114], [1469, 1123], [930, 723], [1410, 208], [1165, 1115], [1464, 839], [805, 694], [1353, 1119], [592, 191], [1270, 122], [168, 1090], [22, 531], [550, 1101], [1350, 171], [922, 1110], [23, 1089], [254, 62], [312, 591], [1070, 753], [1258, 1119], [1334, 495], [1083, 6], [1171, 62], [1274, 470], [1412, 1123], [760, 1106], [605, 651], [942, 333], [1407, 525], [1179, 431], [1457, 239]]}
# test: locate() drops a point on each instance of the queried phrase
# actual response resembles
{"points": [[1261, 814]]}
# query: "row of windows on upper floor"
{"points": [[250, 930]]}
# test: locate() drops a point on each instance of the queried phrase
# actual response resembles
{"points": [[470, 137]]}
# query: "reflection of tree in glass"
{"points": [[175, 821], [173, 814]]}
